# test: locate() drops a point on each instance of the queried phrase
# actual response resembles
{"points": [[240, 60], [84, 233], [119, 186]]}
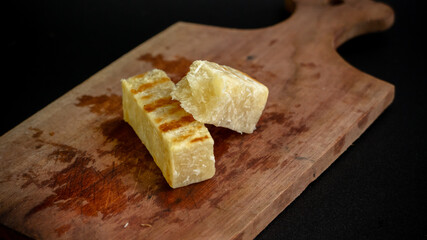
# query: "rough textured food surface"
{"points": [[181, 146], [222, 96]]}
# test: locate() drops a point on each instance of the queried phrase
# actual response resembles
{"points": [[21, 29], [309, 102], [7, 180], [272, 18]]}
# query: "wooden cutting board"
{"points": [[76, 170]]}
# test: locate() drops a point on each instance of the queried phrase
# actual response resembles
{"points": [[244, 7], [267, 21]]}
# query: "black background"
{"points": [[375, 190]]}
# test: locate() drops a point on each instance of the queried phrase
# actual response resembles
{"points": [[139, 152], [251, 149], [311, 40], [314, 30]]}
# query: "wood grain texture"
{"points": [[77, 170]]}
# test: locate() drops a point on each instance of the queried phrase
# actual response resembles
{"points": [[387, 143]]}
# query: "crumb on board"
{"points": [[146, 225], [126, 224]]}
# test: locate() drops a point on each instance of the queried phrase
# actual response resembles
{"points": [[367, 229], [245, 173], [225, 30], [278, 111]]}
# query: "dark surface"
{"points": [[375, 190]]}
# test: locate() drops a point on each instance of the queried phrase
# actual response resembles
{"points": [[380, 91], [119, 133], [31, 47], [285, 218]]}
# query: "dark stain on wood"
{"points": [[85, 190], [233, 173], [185, 198], [296, 129], [222, 137], [272, 42], [335, 2], [30, 177], [291, 128], [254, 162], [126, 144], [103, 104], [161, 214], [238, 236], [272, 144], [82, 188], [285, 162], [37, 132], [274, 117], [62, 229], [363, 121], [64, 154], [308, 64], [297, 157], [176, 68], [339, 145], [263, 163], [216, 190], [244, 155], [250, 57]]}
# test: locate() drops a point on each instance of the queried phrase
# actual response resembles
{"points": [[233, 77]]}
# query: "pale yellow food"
{"points": [[181, 146], [222, 96]]}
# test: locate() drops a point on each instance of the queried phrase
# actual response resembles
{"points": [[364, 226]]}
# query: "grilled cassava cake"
{"points": [[181, 146]]}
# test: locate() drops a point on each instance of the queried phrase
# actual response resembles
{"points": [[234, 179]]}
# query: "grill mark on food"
{"points": [[139, 75], [199, 139], [158, 120], [146, 96], [188, 134], [176, 108], [159, 103], [146, 86], [182, 138], [172, 125]]}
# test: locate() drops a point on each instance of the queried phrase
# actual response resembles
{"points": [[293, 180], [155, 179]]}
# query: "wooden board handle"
{"points": [[342, 19]]}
